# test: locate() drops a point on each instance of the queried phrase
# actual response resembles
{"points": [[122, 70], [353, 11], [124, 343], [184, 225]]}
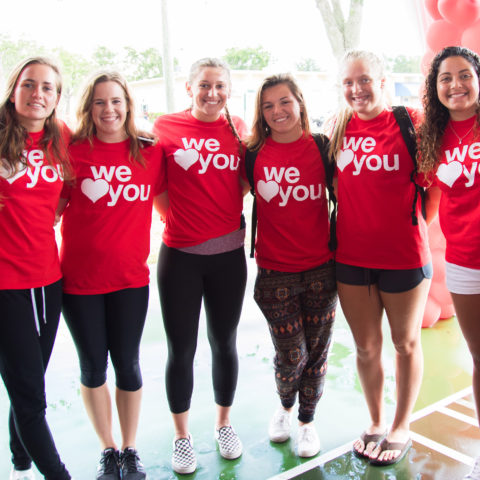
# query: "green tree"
{"points": [[13, 51], [404, 64], [248, 58], [139, 65], [308, 65], [75, 69], [103, 57], [343, 31]]}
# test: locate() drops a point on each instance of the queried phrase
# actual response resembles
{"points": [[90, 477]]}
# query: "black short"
{"points": [[390, 281]]}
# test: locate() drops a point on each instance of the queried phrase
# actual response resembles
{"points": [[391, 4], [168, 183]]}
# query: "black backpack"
{"points": [[408, 133], [322, 143]]}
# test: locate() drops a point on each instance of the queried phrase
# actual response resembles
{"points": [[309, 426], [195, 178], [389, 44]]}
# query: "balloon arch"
{"points": [[445, 23]]}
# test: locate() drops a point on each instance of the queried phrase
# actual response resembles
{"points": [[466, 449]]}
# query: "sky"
{"points": [[289, 29]]}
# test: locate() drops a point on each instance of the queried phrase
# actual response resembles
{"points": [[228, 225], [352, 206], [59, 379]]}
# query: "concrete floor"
{"points": [[341, 414]]}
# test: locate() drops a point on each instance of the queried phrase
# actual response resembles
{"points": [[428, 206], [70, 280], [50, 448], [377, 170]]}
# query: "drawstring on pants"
{"points": [[35, 310]]}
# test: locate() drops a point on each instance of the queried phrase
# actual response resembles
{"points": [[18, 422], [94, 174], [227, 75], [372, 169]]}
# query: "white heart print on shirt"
{"points": [[186, 158], [94, 189], [344, 159], [267, 189], [448, 174]]}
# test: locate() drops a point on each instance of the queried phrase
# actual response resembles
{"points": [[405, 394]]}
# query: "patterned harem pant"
{"points": [[300, 311]]}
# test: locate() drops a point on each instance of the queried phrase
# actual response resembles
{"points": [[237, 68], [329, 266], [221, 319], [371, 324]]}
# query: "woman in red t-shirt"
{"points": [[295, 286], [383, 259], [450, 149], [32, 167], [105, 245], [202, 256]]}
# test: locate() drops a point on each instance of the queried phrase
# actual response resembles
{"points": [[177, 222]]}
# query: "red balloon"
{"points": [[432, 9], [471, 38], [462, 13], [441, 34]]}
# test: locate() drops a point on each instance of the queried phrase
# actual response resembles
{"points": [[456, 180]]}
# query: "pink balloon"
{"points": [[441, 34], [462, 13], [425, 64], [431, 315], [432, 9], [439, 302], [471, 38]]}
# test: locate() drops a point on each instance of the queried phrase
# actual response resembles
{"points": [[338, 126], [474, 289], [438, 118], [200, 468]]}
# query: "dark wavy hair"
{"points": [[436, 115]]}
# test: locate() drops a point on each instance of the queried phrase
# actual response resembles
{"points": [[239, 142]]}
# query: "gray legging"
{"points": [[184, 279]]}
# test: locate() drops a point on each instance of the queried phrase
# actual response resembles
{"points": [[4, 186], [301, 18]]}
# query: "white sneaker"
{"points": [[229, 443], [280, 425], [308, 443], [183, 457], [475, 473], [22, 474]]}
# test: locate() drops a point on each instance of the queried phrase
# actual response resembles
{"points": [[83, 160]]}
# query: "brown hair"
{"points": [[212, 62], [436, 115], [13, 134], [86, 127], [260, 128]]}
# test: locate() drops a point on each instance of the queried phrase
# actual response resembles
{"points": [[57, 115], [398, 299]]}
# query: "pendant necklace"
{"points": [[457, 135]]}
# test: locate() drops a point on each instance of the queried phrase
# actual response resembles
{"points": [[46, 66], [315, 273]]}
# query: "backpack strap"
{"points": [[250, 157], [409, 137], [323, 143]]}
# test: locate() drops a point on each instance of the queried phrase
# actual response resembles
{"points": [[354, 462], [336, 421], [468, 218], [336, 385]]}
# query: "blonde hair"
{"points": [[260, 128], [86, 127], [377, 68]]}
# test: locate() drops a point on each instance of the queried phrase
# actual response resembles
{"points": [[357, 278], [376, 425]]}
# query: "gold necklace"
{"points": [[457, 135]]}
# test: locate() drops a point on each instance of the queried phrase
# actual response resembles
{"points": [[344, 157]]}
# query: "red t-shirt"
{"points": [[203, 177], [28, 250], [375, 198], [292, 212], [459, 180], [106, 225]]}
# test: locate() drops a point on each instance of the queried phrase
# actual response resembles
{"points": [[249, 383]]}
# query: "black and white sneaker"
{"points": [[229, 443], [108, 468], [183, 458], [131, 466]]}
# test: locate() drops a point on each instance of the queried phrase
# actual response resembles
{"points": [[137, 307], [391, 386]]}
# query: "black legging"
{"points": [[183, 280], [108, 323], [26, 344]]}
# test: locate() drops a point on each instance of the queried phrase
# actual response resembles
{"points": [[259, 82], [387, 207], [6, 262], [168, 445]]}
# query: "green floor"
{"points": [[341, 414]]}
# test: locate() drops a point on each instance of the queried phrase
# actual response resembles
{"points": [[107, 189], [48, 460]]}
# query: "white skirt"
{"points": [[462, 280]]}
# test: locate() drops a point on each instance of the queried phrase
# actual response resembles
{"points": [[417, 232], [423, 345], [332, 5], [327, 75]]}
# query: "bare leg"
{"points": [[363, 310], [405, 312], [128, 407], [180, 422], [468, 308], [98, 405]]}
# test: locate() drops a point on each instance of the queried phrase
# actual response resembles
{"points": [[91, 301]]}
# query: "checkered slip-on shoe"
{"points": [[183, 458], [229, 444]]}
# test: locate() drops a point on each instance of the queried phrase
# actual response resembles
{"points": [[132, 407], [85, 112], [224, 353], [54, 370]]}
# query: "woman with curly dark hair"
{"points": [[450, 151]]}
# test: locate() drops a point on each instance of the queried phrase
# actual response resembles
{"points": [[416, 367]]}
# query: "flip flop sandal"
{"points": [[386, 445], [367, 438]]}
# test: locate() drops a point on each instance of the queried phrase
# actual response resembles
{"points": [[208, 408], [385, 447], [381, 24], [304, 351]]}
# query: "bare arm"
{"points": [[161, 203], [62, 204], [432, 201]]}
